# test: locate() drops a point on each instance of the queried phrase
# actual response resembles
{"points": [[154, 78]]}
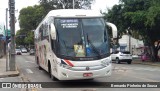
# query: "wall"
{"points": [[135, 44], [2, 28]]}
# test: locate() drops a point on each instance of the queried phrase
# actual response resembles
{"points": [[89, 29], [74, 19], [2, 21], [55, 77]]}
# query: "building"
{"points": [[2, 46], [2, 28], [128, 43]]}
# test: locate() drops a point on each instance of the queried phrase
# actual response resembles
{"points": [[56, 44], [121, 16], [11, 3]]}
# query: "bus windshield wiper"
{"points": [[94, 48]]}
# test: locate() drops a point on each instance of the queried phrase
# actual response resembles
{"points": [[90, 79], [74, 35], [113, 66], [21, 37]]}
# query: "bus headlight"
{"points": [[106, 62], [65, 66]]}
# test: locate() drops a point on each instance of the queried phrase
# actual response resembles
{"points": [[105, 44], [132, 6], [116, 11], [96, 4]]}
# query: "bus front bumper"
{"points": [[66, 74]]}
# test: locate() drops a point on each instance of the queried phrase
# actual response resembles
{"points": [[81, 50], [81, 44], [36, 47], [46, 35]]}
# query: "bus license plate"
{"points": [[87, 75]]}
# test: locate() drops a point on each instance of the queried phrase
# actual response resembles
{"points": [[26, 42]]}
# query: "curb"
{"points": [[10, 73]]}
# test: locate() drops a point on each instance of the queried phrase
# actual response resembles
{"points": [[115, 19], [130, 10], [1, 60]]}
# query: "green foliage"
{"points": [[153, 16], [24, 37], [140, 16], [115, 15], [65, 4], [20, 37], [29, 39], [30, 17]]}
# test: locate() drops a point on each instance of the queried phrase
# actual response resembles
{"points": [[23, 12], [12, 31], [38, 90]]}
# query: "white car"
{"points": [[18, 52], [24, 50], [121, 57]]}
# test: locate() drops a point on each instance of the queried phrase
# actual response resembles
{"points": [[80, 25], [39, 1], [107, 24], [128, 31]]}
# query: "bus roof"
{"points": [[70, 13], [74, 13]]}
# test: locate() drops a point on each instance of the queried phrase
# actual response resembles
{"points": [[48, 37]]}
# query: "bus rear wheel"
{"points": [[39, 67]]}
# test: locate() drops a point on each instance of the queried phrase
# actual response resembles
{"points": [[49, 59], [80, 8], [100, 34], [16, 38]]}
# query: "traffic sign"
{"points": [[8, 32]]}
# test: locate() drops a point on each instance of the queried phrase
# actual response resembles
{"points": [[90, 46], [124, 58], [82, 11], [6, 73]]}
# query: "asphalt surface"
{"points": [[121, 73]]}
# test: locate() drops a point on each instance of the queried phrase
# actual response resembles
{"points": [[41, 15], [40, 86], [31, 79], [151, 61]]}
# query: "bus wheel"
{"points": [[50, 73], [40, 68]]}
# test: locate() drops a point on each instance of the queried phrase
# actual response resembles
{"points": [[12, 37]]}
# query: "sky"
{"points": [[19, 4], [104, 4]]}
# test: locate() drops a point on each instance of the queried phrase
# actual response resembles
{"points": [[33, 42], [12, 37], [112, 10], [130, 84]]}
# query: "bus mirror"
{"points": [[114, 29], [53, 32]]}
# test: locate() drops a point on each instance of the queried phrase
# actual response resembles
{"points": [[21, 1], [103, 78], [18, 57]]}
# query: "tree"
{"points": [[115, 15], [142, 16], [20, 35], [30, 17], [29, 39], [65, 4]]}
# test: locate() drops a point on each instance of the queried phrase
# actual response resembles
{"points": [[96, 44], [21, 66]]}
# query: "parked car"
{"points": [[32, 52], [24, 50], [145, 57], [119, 57], [18, 52]]}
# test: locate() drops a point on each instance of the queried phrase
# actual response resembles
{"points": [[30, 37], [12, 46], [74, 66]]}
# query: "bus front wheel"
{"points": [[50, 73]]}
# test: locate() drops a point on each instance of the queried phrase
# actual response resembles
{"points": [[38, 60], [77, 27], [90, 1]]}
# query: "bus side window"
{"points": [[44, 30], [41, 32], [52, 44]]}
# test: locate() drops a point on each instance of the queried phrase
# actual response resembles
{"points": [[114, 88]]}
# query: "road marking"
{"points": [[29, 62], [29, 71]]}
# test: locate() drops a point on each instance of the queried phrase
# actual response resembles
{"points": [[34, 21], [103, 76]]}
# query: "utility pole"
{"points": [[7, 63], [130, 43], [129, 37], [12, 27]]}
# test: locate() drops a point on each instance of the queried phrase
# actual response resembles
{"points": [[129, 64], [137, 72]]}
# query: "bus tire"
{"points": [[50, 73], [39, 67]]}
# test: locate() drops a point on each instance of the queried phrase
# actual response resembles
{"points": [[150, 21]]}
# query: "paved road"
{"points": [[121, 73]]}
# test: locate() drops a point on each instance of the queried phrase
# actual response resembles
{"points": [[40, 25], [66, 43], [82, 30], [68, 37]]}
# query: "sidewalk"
{"points": [[3, 72], [138, 61]]}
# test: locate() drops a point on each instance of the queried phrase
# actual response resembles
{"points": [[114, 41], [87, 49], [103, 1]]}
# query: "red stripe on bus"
{"points": [[68, 62]]}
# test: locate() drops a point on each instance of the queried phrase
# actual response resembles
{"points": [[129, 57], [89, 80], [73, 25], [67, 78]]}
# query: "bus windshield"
{"points": [[82, 37]]}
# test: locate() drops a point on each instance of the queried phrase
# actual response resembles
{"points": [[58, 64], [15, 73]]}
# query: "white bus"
{"points": [[73, 44]]}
